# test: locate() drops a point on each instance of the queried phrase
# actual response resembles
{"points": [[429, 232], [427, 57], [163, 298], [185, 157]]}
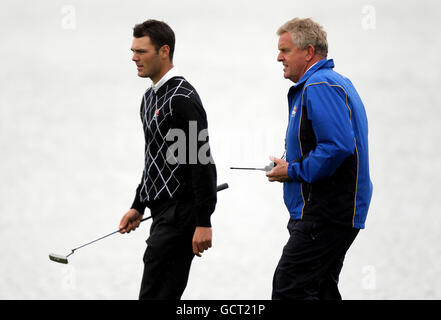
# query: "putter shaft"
{"points": [[266, 168], [218, 188], [63, 259], [239, 168]]}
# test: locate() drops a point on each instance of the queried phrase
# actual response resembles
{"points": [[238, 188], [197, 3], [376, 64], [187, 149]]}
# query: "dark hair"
{"points": [[159, 32]]}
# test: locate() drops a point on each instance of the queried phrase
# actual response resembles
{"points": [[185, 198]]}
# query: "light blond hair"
{"points": [[304, 32]]}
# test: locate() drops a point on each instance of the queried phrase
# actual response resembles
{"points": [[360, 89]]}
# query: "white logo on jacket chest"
{"points": [[294, 110]]}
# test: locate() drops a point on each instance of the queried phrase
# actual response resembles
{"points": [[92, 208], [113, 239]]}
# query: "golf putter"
{"points": [[63, 259], [266, 168]]}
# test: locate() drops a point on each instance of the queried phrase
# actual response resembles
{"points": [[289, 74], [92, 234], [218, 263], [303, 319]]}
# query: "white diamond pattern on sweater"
{"points": [[158, 179]]}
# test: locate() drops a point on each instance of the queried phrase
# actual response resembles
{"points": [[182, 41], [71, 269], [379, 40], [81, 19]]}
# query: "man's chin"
{"points": [[290, 77]]}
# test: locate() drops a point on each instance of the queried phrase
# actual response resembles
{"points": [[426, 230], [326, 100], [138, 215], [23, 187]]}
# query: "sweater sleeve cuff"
{"points": [[203, 221], [203, 217], [138, 205]]}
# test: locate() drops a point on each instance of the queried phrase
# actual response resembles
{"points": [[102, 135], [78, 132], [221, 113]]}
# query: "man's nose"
{"points": [[280, 57]]}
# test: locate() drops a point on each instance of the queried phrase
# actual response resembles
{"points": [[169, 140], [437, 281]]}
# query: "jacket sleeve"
{"points": [[330, 116], [191, 118]]}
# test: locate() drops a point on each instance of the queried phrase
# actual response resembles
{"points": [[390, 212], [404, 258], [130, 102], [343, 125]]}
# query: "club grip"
{"points": [[221, 187]]}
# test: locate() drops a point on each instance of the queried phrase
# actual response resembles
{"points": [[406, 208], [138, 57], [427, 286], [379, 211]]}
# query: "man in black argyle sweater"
{"points": [[178, 183]]}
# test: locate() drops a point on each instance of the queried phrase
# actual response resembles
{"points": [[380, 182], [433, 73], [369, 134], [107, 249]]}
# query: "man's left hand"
{"points": [[201, 240], [279, 172]]}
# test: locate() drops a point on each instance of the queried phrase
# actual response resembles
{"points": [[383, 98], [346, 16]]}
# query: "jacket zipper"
{"points": [[309, 193]]}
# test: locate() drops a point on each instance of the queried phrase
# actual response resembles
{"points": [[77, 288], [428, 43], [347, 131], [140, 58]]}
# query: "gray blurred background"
{"points": [[71, 142]]}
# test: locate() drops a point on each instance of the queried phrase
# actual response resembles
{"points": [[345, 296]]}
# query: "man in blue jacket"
{"points": [[327, 188]]}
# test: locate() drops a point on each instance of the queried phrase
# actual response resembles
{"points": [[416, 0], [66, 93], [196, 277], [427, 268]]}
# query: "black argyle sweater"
{"points": [[176, 107]]}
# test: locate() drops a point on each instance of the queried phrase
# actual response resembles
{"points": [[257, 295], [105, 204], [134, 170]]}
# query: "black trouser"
{"points": [[312, 260], [169, 252]]}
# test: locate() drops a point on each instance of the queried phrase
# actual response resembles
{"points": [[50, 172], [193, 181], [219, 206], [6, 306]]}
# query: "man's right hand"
{"points": [[130, 221]]}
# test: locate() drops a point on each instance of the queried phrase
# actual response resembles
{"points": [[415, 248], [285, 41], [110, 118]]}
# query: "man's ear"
{"points": [[164, 51], [310, 52]]}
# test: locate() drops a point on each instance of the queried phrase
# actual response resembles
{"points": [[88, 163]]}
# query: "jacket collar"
{"points": [[324, 63]]}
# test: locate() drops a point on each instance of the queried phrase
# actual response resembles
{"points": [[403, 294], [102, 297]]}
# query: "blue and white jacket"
{"points": [[327, 149]]}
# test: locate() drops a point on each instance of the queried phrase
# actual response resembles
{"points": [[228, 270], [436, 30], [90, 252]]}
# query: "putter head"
{"points": [[58, 258], [269, 167]]}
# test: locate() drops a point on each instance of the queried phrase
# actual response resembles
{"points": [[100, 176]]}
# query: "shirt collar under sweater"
{"points": [[173, 72]]}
